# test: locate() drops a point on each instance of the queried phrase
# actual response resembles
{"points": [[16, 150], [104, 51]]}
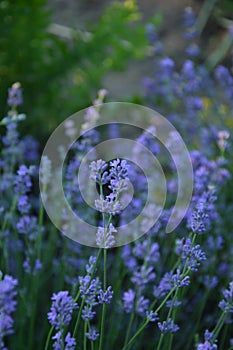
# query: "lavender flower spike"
{"points": [[61, 310]]}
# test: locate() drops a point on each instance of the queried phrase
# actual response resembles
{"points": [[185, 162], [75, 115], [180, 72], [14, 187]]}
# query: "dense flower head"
{"points": [[90, 289], [105, 236], [8, 293], [192, 253], [61, 310], [8, 304], [105, 297], [98, 171], [87, 313], [23, 182]]}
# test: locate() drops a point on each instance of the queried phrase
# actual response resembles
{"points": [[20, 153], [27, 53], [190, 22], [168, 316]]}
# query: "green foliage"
{"points": [[61, 76]]}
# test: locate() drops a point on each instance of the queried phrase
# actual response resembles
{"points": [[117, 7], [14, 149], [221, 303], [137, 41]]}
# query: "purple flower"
{"points": [[143, 276], [92, 335], [152, 317], [23, 183], [142, 306], [31, 267], [168, 326], [226, 304], [61, 310], [8, 304], [189, 17], [105, 237], [58, 344], [98, 171], [91, 265], [87, 313], [128, 300], [209, 343], [70, 342], [105, 297], [23, 204], [193, 254], [89, 289], [15, 95]]}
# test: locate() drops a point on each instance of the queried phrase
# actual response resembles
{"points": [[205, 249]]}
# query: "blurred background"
{"points": [[62, 51]]}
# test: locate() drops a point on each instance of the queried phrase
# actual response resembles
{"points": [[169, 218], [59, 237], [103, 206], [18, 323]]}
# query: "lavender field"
{"points": [[116, 216]]}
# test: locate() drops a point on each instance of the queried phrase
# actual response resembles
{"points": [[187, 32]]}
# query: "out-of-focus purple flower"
{"points": [[168, 326], [8, 304], [129, 260], [152, 317], [23, 204], [143, 275], [169, 281], [167, 65], [15, 97], [193, 50], [30, 267], [189, 17], [23, 183], [27, 225], [58, 343], [226, 304], [142, 306], [92, 335], [61, 310], [209, 343], [30, 149], [128, 300], [70, 342], [210, 282], [91, 265]]}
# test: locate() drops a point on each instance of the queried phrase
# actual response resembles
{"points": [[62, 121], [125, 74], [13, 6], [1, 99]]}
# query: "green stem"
{"points": [[104, 305], [160, 341], [84, 336], [48, 338], [129, 328]]}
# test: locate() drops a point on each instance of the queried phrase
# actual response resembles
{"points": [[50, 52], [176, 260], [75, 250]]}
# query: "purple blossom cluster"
{"points": [[8, 294]]}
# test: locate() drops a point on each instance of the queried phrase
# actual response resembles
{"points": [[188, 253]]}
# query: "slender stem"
{"points": [[104, 305], [78, 318], [219, 325], [48, 338], [129, 328], [160, 341], [84, 336]]}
